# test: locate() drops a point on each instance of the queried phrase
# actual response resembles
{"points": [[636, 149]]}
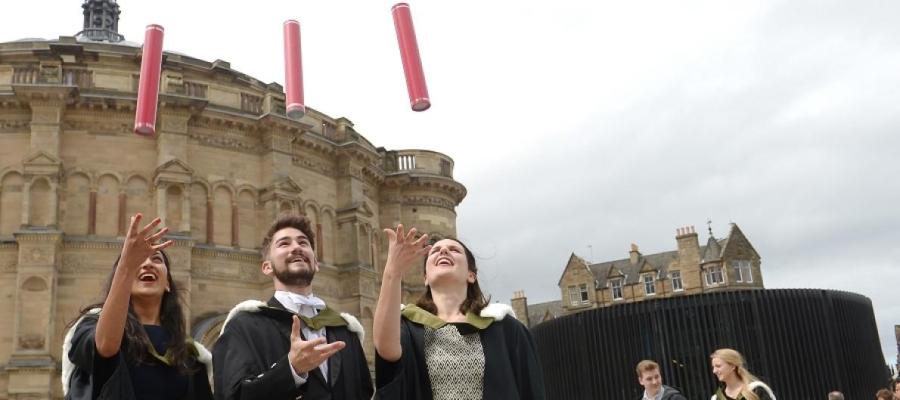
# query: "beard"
{"points": [[302, 277]]}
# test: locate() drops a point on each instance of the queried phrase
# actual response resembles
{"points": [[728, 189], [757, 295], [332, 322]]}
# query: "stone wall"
{"points": [[224, 163]]}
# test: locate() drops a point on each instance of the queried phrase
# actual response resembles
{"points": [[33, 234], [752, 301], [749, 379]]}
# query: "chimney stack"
{"points": [[634, 253], [519, 305], [688, 245]]}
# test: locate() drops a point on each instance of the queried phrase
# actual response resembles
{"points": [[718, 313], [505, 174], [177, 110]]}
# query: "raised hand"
{"points": [[138, 246], [306, 355], [141, 244], [404, 249]]}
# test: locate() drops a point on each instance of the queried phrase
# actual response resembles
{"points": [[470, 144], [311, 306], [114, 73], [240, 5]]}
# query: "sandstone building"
{"points": [[224, 163], [722, 264]]}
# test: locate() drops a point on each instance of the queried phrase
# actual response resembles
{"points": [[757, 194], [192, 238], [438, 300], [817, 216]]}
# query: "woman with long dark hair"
{"points": [[133, 344], [452, 344], [739, 383]]}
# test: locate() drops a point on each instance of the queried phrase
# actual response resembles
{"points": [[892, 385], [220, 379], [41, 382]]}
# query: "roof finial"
{"points": [[709, 226], [101, 21]]}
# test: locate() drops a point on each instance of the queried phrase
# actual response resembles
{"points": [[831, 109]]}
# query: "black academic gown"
{"points": [[511, 367], [84, 384], [760, 389], [251, 361]]}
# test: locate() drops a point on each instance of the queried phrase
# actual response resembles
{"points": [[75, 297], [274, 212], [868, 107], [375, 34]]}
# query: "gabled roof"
{"points": [[736, 234], [658, 262], [712, 252], [573, 259]]}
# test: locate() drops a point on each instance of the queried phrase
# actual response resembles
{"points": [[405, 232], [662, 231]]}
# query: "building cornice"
{"points": [[430, 182]]}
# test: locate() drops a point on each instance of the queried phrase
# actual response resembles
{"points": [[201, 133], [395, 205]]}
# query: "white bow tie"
{"points": [[312, 301]]}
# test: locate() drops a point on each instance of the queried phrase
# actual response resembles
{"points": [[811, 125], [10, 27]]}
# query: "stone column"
{"points": [[26, 203], [210, 226], [123, 218], [32, 367], [185, 210], [234, 225], [92, 212], [320, 243], [54, 205], [161, 200]]}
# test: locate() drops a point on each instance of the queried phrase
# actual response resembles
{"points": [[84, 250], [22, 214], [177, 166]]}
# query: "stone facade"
{"points": [[722, 264], [224, 163]]}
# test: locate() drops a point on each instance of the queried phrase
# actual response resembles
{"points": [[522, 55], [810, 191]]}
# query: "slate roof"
{"points": [[536, 312], [658, 262], [712, 252]]}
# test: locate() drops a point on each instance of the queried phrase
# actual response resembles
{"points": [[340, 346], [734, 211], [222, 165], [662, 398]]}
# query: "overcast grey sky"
{"points": [[605, 123]]}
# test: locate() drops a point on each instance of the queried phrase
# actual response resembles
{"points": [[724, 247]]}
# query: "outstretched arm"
{"points": [[137, 247], [403, 250]]}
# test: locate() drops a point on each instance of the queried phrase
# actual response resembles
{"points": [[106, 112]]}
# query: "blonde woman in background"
{"points": [[728, 367]]}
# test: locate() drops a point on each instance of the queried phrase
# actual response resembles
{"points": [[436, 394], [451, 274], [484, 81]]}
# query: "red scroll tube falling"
{"points": [[409, 54], [148, 86], [293, 71]]}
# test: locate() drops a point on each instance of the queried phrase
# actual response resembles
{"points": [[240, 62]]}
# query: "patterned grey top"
{"points": [[455, 363]]}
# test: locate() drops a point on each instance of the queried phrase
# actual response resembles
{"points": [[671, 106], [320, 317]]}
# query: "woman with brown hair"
{"points": [[728, 367], [452, 344], [133, 345]]}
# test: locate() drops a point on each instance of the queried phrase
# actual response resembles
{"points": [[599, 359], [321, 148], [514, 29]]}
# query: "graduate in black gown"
{"points": [[294, 346], [737, 382], [133, 345], [452, 344]]}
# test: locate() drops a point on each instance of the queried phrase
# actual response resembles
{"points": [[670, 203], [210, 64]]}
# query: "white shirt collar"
{"points": [[291, 300]]}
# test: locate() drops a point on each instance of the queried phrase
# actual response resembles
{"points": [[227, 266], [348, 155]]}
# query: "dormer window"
{"points": [[649, 284], [615, 286]]}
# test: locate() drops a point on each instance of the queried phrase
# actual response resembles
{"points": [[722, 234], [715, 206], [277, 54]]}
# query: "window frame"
{"points": [[743, 271], [651, 282], [675, 276], [574, 296], [715, 271], [613, 288]]}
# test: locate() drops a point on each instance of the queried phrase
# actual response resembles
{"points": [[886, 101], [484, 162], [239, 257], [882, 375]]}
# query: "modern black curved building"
{"points": [[803, 342]]}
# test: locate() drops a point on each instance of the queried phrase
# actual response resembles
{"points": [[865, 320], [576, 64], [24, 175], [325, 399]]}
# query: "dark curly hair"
{"points": [[171, 317]]}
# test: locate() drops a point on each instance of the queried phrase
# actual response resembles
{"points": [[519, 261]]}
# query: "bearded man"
{"points": [[294, 346]]}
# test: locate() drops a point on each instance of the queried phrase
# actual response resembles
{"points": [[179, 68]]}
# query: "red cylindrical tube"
{"points": [[148, 86], [409, 54], [293, 71]]}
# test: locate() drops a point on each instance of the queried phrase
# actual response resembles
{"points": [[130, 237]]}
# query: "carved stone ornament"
{"points": [[31, 342]]}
